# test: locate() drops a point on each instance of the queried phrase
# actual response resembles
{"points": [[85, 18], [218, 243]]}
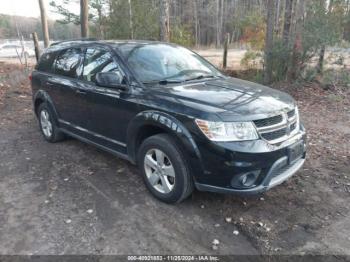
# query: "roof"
{"points": [[114, 43]]}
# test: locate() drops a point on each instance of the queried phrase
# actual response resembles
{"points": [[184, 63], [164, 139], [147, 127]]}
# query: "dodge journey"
{"points": [[164, 108]]}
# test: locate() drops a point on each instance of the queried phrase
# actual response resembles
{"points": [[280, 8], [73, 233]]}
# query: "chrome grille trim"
{"points": [[268, 121], [282, 130], [291, 113]]}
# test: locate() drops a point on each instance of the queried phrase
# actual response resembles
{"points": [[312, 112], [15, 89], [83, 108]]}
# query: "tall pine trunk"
{"points": [[277, 16], [164, 21], [218, 23], [100, 32], [323, 48], [346, 33], [131, 26], [221, 31], [84, 18], [269, 41], [44, 24], [196, 22], [298, 45], [287, 23]]}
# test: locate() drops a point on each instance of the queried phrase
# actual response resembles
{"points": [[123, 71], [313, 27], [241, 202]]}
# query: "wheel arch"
{"points": [[43, 97], [148, 123]]}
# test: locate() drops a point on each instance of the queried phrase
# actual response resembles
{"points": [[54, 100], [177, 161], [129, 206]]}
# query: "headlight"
{"points": [[228, 131]]}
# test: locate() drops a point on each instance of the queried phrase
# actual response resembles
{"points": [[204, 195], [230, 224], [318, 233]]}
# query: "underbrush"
{"points": [[329, 79], [254, 75]]}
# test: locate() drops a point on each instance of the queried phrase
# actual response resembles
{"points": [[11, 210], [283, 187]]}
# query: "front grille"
{"points": [[268, 121], [277, 128], [291, 113], [293, 126], [275, 134]]}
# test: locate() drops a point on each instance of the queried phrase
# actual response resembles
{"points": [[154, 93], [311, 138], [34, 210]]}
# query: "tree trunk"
{"points": [[195, 9], [36, 46], [24, 53], [164, 21], [346, 33], [131, 27], [100, 32], [269, 41], [218, 26], [298, 47], [321, 59], [323, 48], [277, 16], [84, 18], [287, 23], [44, 23], [227, 39], [221, 32]]}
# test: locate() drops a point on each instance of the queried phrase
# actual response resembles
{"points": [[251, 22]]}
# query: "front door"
{"points": [[111, 109]]}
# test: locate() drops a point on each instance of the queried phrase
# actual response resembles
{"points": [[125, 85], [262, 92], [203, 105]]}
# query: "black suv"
{"points": [[166, 109]]}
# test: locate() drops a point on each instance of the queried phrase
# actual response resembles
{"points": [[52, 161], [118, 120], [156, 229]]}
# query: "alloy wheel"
{"points": [[159, 170], [45, 121]]}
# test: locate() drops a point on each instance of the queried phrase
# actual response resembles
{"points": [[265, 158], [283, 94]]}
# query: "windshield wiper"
{"points": [[172, 81], [163, 82], [200, 77]]}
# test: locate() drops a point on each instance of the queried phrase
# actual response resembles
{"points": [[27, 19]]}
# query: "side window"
{"points": [[46, 61], [98, 60], [68, 63]]}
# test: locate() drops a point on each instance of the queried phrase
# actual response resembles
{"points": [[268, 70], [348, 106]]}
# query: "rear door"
{"points": [[67, 94]]}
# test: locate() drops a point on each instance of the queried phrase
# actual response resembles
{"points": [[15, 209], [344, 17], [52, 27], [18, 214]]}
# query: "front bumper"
{"points": [[276, 176], [224, 163]]}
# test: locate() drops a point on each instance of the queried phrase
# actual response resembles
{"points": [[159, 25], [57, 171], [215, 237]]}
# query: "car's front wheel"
{"points": [[164, 169]]}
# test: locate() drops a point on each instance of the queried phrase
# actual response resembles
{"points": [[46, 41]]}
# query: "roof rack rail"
{"points": [[72, 40]]}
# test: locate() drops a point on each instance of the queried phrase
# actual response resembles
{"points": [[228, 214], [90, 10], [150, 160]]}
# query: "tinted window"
{"points": [[46, 61], [68, 63], [98, 60]]}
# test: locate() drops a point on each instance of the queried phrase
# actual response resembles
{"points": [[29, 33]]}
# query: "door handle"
{"points": [[49, 84], [81, 92]]}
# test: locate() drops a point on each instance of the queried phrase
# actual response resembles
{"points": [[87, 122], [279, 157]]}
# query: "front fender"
{"points": [[167, 123]]}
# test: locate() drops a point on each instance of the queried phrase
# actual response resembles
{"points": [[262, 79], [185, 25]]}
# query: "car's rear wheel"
{"points": [[164, 169], [48, 125]]}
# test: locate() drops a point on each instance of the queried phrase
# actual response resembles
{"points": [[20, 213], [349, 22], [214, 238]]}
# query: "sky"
{"points": [[29, 8]]}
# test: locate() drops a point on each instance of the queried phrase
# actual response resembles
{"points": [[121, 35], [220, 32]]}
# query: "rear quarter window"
{"points": [[46, 62]]}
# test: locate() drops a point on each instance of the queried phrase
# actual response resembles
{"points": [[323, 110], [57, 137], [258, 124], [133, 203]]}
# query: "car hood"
{"points": [[230, 98]]}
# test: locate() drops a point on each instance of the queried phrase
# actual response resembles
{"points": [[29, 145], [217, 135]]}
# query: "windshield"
{"points": [[162, 62]]}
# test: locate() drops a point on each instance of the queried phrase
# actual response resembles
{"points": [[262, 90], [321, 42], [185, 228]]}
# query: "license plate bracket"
{"points": [[295, 152]]}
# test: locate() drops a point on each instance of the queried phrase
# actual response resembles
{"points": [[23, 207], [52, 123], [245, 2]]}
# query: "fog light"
{"points": [[248, 179], [245, 180]]}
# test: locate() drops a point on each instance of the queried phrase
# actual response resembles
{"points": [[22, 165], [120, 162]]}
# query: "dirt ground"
{"points": [[71, 198]]}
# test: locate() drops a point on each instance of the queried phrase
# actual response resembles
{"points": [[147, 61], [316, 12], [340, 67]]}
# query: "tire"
{"points": [[49, 128], [169, 189]]}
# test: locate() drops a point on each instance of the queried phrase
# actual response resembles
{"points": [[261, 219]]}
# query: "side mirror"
{"points": [[110, 79]]}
